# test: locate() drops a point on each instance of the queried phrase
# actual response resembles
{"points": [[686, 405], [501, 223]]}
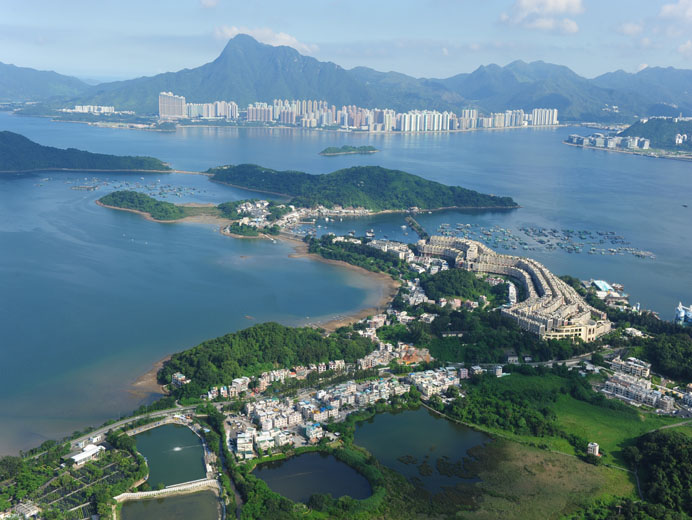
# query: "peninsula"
{"points": [[348, 150], [352, 192], [20, 154]]}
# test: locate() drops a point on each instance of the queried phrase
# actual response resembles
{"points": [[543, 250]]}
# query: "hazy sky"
{"points": [[109, 39]]}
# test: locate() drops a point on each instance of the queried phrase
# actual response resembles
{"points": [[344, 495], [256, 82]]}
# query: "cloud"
{"points": [[565, 25], [545, 15], [445, 51], [526, 8], [642, 66], [266, 35], [686, 49], [681, 10], [208, 4], [630, 29]]}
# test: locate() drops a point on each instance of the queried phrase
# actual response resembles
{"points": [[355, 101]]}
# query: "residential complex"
{"points": [[632, 366], [611, 142], [272, 423], [553, 309], [319, 114], [637, 390]]}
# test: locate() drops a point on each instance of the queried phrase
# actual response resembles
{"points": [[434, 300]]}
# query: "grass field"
{"points": [[521, 482], [611, 429]]}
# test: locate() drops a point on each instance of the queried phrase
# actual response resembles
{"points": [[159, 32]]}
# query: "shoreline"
{"points": [[91, 170], [390, 287], [195, 219], [147, 383], [651, 155], [336, 154]]}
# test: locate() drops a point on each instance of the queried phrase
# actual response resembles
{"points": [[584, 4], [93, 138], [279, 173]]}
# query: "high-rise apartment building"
{"points": [[171, 106]]}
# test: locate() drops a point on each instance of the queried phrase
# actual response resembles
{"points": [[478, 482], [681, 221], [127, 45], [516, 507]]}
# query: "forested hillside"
{"points": [[370, 187]]}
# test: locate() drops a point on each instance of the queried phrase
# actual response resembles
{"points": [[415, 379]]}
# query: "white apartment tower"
{"points": [[171, 106]]}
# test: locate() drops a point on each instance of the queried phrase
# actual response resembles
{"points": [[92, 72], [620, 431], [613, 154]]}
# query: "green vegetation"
{"points": [[158, 209], [661, 133], [17, 153], [58, 489], [459, 283], [669, 347], [665, 460], [242, 230], [359, 255], [614, 429], [552, 408], [626, 509], [370, 187], [346, 150], [257, 349]]}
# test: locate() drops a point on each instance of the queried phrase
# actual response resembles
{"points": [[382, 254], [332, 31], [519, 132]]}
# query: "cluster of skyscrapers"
{"points": [[319, 114], [175, 107]]}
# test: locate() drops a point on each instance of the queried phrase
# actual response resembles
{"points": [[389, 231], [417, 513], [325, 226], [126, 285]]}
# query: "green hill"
{"points": [[158, 209], [662, 132], [370, 187], [17, 153], [25, 84]]}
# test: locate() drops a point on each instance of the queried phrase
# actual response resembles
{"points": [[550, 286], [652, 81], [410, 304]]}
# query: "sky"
{"points": [[118, 39]]}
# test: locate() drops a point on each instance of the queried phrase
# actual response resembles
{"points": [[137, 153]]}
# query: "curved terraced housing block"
{"points": [[552, 309]]}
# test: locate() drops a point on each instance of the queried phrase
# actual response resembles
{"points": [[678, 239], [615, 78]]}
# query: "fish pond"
{"points": [[300, 477], [174, 454], [425, 448], [200, 506]]}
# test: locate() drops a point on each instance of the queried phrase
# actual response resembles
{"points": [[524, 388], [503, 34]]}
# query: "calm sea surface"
{"points": [[90, 298]]}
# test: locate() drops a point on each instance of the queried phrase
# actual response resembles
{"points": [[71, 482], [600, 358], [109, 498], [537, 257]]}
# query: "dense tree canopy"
{"points": [[462, 284], [665, 458], [259, 348], [158, 209], [18, 153], [371, 187]]}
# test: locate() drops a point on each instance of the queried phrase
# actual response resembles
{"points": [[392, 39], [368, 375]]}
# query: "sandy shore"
{"points": [[198, 219], [146, 384]]}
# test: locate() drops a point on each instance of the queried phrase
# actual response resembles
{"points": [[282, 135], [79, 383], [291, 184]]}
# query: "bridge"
{"points": [[175, 489]]}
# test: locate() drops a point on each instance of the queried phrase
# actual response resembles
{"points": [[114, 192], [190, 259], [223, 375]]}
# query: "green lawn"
{"points": [[521, 482], [611, 429]]}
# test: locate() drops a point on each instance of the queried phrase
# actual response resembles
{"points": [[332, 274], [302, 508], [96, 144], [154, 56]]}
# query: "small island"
{"points": [[348, 150], [20, 154], [352, 192], [371, 188]]}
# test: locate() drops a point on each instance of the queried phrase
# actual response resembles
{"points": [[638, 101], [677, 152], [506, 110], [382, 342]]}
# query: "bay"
{"points": [[90, 298]]}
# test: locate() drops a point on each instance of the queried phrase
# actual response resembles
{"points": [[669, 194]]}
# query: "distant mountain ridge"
{"points": [[25, 84], [247, 71]]}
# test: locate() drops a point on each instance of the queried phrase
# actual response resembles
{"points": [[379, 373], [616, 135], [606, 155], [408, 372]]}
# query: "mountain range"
{"points": [[247, 71], [25, 84]]}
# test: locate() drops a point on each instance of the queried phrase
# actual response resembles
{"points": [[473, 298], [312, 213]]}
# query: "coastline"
{"points": [[197, 219], [147, 383], [90, 170], [389, 285], [651, 155], [347, 153]]}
